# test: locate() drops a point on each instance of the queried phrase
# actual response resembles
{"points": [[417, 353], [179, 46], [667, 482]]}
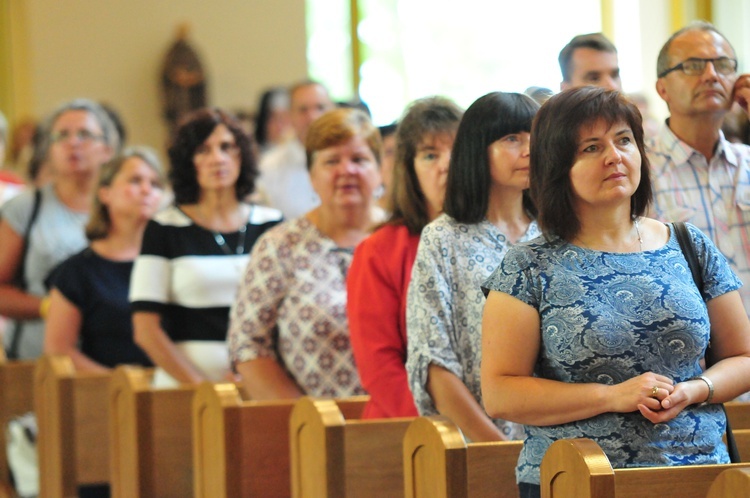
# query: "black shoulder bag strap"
{"points": [[20, 277], [688, 250]]}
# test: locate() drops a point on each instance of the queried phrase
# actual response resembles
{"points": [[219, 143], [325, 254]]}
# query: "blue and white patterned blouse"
{"points": [[445, 304], [607, 317]]}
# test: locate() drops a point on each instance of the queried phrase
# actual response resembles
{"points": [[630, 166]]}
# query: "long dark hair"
{"points": [[423, 117], [488, 119]]}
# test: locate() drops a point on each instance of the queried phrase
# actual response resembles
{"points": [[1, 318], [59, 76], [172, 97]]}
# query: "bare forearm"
{"points": [[730, 378], [265, 379], [162, 351], [84, 363], [535, 401], [17, 304], [454, 400]]}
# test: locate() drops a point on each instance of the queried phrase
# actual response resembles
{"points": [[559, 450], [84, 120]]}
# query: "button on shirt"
{"points": [[713, 195]]}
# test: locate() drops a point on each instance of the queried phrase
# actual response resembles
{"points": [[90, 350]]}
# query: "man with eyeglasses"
{"points": [[697, 175]]}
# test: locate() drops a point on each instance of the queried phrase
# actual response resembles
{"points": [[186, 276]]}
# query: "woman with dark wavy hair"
{"points": [[598, 329], [193, 252]]}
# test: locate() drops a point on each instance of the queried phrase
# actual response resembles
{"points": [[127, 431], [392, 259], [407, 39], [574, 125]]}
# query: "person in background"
{"points": [[698, 175], [388, 133], [42, 227], [289, 334], [284, 182], [272, 123], [598, 329], [381, 269], [487, 211], [89, 313], [589, 59], [11, 183], [186, 275], [539, 93]]}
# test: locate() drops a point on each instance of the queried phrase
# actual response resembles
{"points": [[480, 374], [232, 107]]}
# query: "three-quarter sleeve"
{"points": [[429, 318]]}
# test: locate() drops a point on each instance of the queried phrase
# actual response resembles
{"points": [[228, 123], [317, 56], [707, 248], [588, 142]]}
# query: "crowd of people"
{"points": [[513, 266]]}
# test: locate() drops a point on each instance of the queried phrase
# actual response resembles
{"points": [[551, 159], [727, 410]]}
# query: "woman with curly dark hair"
{"points": [[193, 252]]}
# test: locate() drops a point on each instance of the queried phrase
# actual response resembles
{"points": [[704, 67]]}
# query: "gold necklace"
{"points": [[637, 233]]}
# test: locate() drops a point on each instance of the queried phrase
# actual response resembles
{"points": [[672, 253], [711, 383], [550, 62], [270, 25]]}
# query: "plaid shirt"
{"points": [[713, 195]]}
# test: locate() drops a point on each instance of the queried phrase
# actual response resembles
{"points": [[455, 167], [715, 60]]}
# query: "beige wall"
{"points": [[112, 50]]}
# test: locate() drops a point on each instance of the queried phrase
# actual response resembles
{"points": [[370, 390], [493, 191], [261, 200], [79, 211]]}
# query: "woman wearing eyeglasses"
{"points": [[486, 211], [289, 333], [186, 276], [41, 228]]}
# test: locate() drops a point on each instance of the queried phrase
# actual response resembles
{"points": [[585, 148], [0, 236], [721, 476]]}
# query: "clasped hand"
{"points": [[655, 396]]}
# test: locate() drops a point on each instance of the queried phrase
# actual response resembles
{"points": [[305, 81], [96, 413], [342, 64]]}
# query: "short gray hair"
{"points": [[109, 130], [662, 61]]}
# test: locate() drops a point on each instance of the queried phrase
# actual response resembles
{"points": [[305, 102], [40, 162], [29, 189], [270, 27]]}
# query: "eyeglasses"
{"points": [[695, 66], [84, 136]]}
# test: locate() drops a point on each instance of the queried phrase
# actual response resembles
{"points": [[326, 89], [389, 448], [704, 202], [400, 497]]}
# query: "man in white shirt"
{"points": [[284, 182], [697, 175]]}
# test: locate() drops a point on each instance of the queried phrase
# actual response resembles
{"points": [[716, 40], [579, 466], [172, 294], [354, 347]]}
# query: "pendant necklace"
{"points": [[240, 249], [219, 238], [638, 233]]}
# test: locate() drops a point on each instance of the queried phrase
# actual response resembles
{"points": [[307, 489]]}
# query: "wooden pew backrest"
{"points": [[438, 463], [153, 439], [72, 415], [732, 483], [578, 467], [16, 398], [739, 414], [360, 458], [241, 448]]}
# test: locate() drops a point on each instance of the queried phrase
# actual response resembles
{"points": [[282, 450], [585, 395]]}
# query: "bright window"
{"points": [[459, 49]]}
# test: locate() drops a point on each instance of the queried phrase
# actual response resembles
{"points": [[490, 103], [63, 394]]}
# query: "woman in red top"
{"points": [[381, 269]]}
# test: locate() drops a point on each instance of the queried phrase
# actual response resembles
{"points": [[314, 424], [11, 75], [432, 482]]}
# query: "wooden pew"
{"points": [[241, 447], [732, 483], [439, 463], [742, 438], [738, 414], [16, 398], [151, 437], [578, 467], [335, 455], [72, 415]]}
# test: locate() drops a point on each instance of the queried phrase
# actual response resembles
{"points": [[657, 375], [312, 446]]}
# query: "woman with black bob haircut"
{"points": [[186, 276], [486, 212], [599, 327]]}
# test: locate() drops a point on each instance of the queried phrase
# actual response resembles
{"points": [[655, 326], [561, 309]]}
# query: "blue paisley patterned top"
{"points": [[608, 317], [445, 304]]}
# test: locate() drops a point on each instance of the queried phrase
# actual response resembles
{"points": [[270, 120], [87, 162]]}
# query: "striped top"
{"points": [[186, 276]]}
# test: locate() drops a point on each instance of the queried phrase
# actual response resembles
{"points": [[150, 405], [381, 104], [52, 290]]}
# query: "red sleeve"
{"points": [[376, 294]]}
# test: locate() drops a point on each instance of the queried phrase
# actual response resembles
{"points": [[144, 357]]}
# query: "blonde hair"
{"points": [[338, 126], [100, 223]]}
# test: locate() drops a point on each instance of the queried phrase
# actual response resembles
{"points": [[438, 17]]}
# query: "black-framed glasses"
{"points": [[695, 66]]}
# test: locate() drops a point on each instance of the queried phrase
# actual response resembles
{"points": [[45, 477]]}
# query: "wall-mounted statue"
{"points": [[183, 79]]}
